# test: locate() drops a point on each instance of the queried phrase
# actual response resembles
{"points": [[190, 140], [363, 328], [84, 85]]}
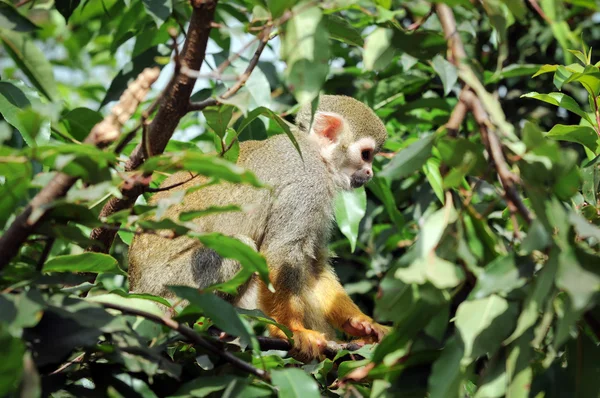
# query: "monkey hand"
{"points": [[366, 328]]}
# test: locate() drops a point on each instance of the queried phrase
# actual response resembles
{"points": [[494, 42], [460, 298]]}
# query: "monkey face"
{"points": [[359, 161]]}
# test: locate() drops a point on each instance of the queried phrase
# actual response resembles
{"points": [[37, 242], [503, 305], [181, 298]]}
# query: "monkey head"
{"points": [[348, 133]]}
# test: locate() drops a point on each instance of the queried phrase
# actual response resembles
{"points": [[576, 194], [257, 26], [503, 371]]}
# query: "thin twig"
{"points": [[45, 253], [418, 23], [198, 106], [194, 337], [539, 10], [169, 187]]}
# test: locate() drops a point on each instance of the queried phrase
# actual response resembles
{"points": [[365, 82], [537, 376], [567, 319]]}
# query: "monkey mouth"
{"points": [[359, 181]]}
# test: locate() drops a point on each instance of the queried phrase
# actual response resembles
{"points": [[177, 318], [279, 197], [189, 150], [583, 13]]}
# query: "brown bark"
{"points": [[173, 106]]}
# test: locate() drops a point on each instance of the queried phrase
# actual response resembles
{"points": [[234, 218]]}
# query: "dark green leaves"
{"points": [[11, 366], [66, 7], [31, 60], [409, 159], [218, 310], [294, 383], [583, 135], [11, 19]]}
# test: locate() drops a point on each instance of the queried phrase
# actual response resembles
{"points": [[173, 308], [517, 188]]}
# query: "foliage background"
{"points": [[478, 239]]}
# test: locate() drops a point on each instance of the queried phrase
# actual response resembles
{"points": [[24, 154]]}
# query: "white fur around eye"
{"points": [[356, 148]]}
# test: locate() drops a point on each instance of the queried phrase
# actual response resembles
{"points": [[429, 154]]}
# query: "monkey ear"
{"points": [[328, 127]]}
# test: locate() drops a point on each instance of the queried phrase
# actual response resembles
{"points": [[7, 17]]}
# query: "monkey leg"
{"points": [[341, 312], [288, 308]]}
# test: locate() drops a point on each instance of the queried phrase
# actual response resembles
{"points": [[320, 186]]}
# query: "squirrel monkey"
{"points": [[289, 224]]}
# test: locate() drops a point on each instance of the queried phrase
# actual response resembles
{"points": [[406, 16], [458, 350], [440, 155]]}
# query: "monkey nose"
{"points": [[368, 172]]}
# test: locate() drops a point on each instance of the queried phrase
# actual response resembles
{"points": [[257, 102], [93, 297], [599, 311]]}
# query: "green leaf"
{"points": [[500, 276], [483, 324], [546, 69], [446, 71], [589, 79], [218, 118], [66, 7], [144, 296], [11, 367], [80, 121], [447, 374], [378, 49], [14, 98], [579, 275], [350, 208], [84, 262], [159, 10], [431, 169], [305, 48], [11, 19], [409, 159], [294, 383], [273, 116], [31, 60], [380, 187], [204, 386], [22, 310], [142, 303], [518, 368], [441, 273], [259, 316], [218, 310], [207, 165], [13, 187], [340, 29], [229, 247], [278, 7], [562, 100], [190, 215], [421, 44], [433, 229], [583, 135], [536, 298]]}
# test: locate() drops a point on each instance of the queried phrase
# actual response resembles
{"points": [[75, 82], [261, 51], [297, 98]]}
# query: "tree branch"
{"points": [[173, 106], [272, 343], [242, 79], [456, 54], [194, 337], [103, 133]]}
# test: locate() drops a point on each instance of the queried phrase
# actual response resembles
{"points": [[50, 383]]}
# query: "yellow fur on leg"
{"points": [[288, 310]]}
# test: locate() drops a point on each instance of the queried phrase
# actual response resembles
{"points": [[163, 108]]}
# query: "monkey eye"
{"points": [[366, 155]]}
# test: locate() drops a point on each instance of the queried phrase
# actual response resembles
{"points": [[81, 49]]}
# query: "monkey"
{"points": [[289, 224]]}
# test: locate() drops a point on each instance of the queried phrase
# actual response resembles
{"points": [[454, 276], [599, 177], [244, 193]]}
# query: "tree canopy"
{"points": [[478, 239]]}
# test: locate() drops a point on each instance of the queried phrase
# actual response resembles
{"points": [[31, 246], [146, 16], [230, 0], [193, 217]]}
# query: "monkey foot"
{"points": [[308, 344], [366, 328]]}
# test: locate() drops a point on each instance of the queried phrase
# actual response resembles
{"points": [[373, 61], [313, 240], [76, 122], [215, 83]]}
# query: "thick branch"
{"points": [[174, 105], [194, 337]]}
